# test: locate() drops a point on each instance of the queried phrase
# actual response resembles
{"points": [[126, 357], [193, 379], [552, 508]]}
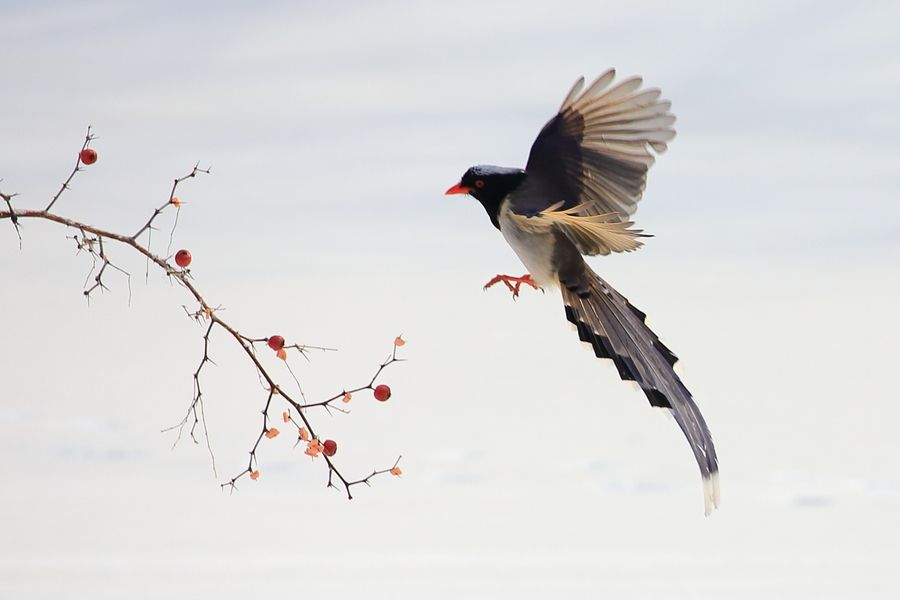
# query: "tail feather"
{"points": [[617, 330]]}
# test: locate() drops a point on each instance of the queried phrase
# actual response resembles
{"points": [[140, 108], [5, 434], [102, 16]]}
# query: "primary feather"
{"points": [[595, 153]]}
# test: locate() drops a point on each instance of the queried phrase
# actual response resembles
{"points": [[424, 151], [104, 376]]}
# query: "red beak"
{"points": [[459, 188]]}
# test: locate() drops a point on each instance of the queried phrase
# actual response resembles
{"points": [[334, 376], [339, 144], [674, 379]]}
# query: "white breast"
{"points": [[533, 241]]}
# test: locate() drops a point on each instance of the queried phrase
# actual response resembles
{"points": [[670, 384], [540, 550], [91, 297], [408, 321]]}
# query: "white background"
{"points": [[530, 469]]}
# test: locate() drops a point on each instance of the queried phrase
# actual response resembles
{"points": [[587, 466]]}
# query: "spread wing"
{"points": [[595, 153]]}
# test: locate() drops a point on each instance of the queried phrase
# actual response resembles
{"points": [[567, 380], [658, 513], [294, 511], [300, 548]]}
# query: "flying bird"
{"points": [[585, 174]]}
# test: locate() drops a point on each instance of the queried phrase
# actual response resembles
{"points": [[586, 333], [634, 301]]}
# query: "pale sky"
{"points": [[530, 469]]}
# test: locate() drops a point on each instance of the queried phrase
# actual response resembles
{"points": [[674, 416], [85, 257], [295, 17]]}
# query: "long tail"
{"points": [[616, 330]]}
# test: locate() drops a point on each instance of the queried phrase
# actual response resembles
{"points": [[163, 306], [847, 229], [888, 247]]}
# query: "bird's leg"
{"points": [[508, 282]]}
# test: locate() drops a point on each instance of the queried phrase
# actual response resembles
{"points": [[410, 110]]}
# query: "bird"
{"points": [[586, 171]]}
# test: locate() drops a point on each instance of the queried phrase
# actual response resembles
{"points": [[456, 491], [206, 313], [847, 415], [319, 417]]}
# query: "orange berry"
{"points": [[346, 398], [399, 341], [396, 472], [286, 416], [273, 432], [282, 354], [254, 475], [304, 434], [175, 201]]}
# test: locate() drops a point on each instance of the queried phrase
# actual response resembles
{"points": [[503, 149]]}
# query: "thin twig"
{"points": [[94, 241], [88, 138], [15, 220], [149, 224]]}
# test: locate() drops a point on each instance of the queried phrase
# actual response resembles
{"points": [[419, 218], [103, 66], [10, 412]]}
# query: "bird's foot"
{"points": [[513, 284]]}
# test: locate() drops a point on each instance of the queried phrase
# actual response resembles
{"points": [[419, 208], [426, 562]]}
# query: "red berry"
{"points": [[329, 447], [382, 393], [183, 258], [88, 156], [276, 342]]}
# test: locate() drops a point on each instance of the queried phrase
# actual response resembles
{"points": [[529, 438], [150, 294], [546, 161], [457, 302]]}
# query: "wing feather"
{"points": [[595, 153], [597, 86], [591, 234], [573, 93]]}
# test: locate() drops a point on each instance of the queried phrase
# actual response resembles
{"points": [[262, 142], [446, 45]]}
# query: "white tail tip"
{"points": [[710, 494]]}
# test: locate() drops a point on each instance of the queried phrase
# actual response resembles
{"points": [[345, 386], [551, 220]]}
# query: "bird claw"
{"points": [[513, 284]]}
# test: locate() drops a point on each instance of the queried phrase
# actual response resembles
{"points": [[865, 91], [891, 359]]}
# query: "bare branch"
{"points": [[88, 138], [95, 242], [15, 220], [148, 226]]}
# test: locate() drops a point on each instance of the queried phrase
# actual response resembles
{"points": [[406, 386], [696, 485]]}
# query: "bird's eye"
{"points": [[479, 183]]}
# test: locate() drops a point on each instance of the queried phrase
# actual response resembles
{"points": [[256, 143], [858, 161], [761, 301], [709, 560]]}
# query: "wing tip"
{"points": [[572, 95]]}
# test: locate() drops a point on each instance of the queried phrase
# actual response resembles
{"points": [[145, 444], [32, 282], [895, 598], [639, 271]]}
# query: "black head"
{"points": [[489, 185]]}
